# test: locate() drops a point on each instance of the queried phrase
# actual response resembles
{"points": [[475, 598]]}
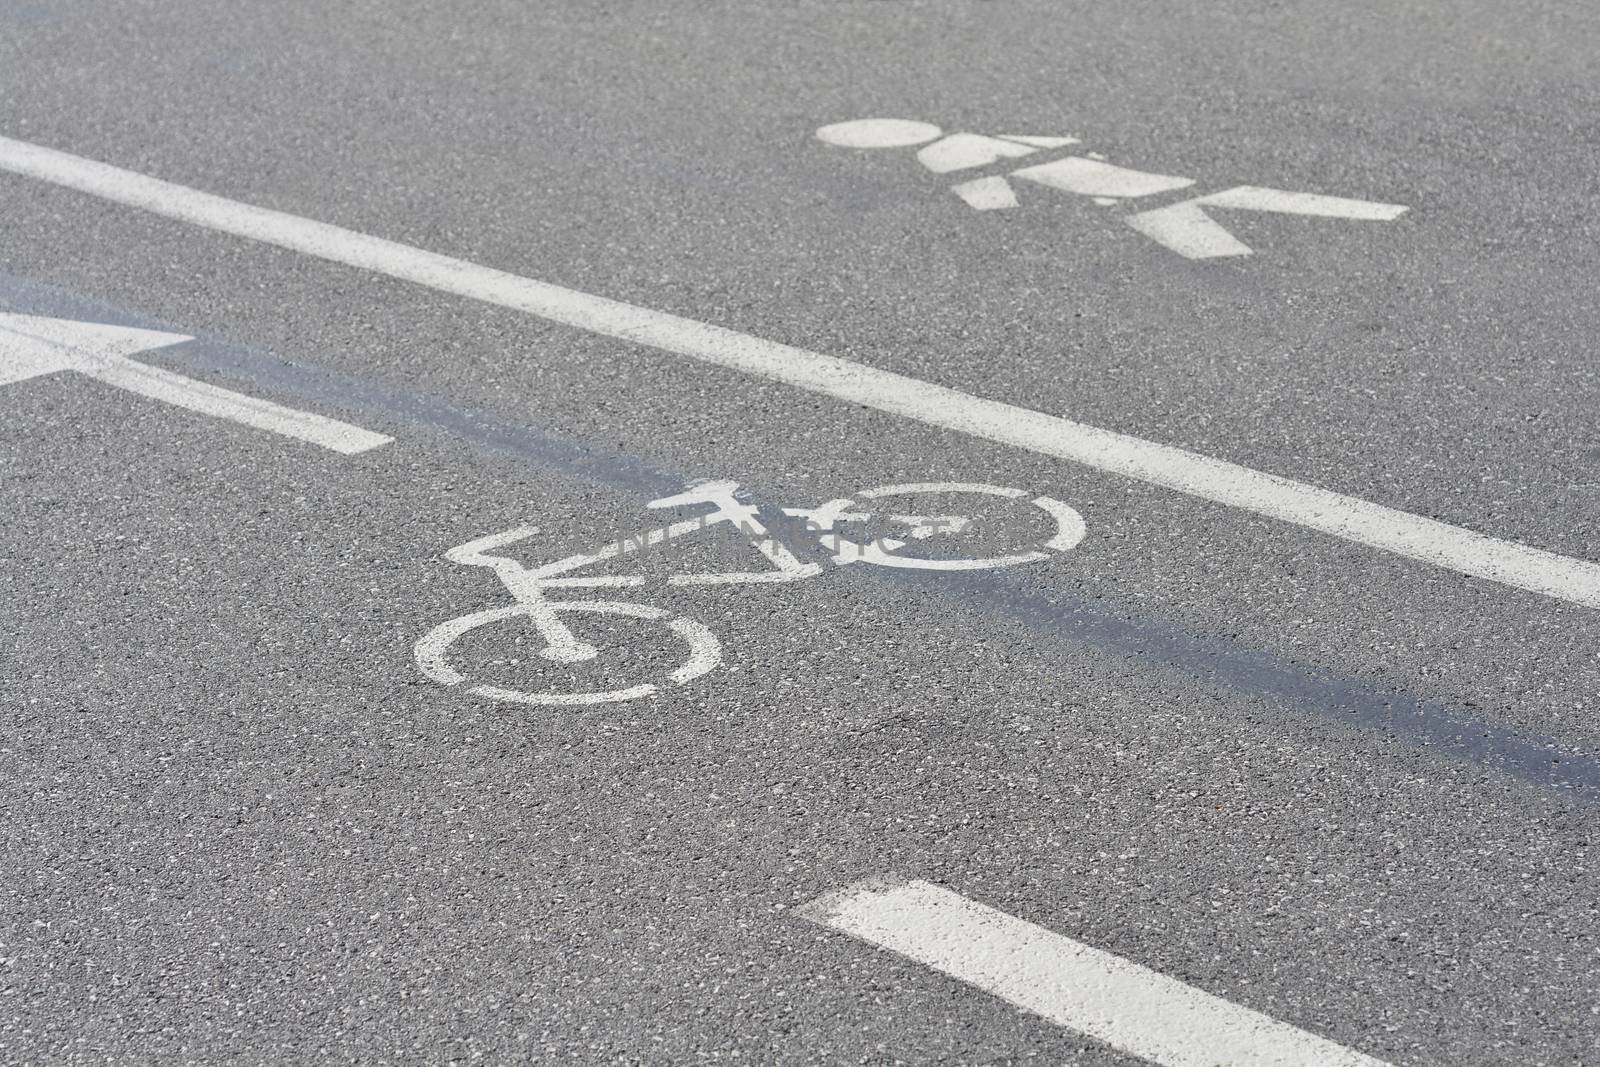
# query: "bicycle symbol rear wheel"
{"points": [[432, 651], [1068, 526]]}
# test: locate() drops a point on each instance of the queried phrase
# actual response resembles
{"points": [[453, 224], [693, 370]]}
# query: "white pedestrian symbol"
{"points": [[1184, 226]]}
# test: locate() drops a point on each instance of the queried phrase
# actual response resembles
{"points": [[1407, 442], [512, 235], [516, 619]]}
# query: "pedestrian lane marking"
{"points": [[1111, 999], [1184, 227], [1350, 518]]}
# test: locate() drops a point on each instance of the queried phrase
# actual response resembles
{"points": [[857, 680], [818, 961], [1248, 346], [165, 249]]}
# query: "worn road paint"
{"points": [[987, 194], [529, 585], [878, 133], [1185, 228], [1111, 999], [31, 346], [1255, 198], [1092, 177], [961, 151], [1040, 142], [704, 651], [1350, 518], [826, 518]]}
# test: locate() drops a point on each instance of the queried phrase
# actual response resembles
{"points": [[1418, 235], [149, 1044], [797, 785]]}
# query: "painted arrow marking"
{"points": [[31, 346]]}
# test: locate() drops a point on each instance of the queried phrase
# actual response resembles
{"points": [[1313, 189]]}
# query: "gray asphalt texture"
{"points": [[1351, 791]]}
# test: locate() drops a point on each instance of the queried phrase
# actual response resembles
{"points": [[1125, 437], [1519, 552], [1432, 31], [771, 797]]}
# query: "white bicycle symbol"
{"points": [[528, 585]]}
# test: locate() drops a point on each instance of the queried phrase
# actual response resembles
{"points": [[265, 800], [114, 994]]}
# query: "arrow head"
{"points": [[31, 345]]}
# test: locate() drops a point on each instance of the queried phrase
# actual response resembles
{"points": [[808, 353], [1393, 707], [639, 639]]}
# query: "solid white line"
{"points": [[1106, 997], [1353, 519]]}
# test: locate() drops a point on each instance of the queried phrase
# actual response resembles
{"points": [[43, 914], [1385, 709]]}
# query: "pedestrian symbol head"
{"points": [[878, 133]]}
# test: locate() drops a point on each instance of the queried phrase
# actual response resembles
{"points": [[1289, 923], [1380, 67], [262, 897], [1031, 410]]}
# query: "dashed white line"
{"points": [[1350, 518], [1111, 999]]}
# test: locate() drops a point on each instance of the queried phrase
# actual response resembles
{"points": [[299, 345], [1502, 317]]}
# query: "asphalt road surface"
{"points": [[1257, 726]]}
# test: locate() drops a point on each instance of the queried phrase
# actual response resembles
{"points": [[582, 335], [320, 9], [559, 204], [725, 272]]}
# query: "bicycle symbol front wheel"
{"points": [[432, 651]]}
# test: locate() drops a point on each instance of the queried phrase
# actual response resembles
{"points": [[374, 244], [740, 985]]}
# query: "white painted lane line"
{"points": [[31, 346], [1347, 517], [1129, 1007]]}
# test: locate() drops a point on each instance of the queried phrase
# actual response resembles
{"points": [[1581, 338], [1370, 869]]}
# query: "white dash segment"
{"points": [[1111, 999], [1351, 518]]}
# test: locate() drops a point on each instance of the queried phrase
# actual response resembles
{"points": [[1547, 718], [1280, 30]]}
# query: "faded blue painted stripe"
{"points": [[1224, 665]]}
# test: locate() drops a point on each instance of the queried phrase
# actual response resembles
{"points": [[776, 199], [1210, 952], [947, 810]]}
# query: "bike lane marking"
{"points": [[32, 346], [1111, 999], [530, 586], [1457, 734], [1349, 518]]}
